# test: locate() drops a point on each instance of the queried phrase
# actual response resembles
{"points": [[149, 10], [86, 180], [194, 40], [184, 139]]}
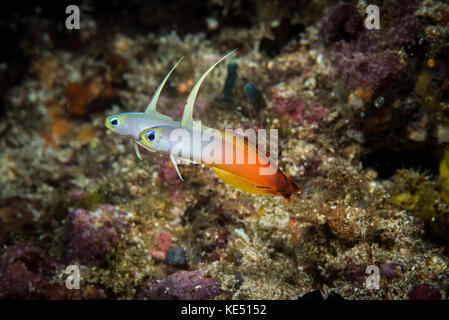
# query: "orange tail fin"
{"points": [[293, 187]]}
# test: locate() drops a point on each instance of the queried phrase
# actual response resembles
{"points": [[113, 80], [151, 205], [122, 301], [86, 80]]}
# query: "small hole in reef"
{"points": [[386, 161], [282, 35]]}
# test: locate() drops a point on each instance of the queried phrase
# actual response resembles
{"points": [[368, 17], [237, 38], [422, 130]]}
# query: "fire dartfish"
{"points": [[155, 132]]}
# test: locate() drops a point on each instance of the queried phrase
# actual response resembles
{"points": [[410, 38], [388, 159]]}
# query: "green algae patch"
{"points": [[424, 198]]}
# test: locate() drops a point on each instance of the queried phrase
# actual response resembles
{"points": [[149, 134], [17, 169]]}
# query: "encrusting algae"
{"points": [[425, 198]]}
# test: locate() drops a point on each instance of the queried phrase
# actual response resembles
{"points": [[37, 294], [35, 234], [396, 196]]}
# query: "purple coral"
{"points": [[424, 291], [403, 33], [89, 237], [183, 285], [354, 273], [28, 272], [365, 68], [342, 21], [25, 271], [391, 270], [366, 58]]}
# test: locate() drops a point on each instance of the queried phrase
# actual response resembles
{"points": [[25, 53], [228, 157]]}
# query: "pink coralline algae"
{"points": [[25, 271], [89, 237], [366, 58], [316, 113], [296, 110], [183, 285], [290, 107], [164, 241], [165, 170]]}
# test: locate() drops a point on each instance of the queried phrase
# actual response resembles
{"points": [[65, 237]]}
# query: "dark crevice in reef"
{"points": [[284, 33], [386, 161]]}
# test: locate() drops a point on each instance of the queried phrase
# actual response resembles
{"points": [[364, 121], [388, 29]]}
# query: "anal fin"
{"points": [[242, 183]]}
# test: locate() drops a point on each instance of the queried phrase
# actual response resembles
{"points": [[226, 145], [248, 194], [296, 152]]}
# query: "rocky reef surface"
{"points": [[363, 122]]}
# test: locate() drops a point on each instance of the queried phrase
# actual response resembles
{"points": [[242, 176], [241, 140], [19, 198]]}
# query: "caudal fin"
{"points": [[286, 195], [295, 185], [291, 187]]}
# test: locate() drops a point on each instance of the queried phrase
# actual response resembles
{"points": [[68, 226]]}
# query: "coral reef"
{"points": [[368, 58], [183, 285], [391, 270], [25, 272], [424, 291], [28, 272], [89, 237], [363, 125]]}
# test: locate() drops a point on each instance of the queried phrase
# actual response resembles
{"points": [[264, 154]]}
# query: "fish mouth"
{"points": [[145, 147]]}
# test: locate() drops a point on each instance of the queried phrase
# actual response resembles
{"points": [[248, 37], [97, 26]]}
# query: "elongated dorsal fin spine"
{"points": [[187, 114], [152, 105]]}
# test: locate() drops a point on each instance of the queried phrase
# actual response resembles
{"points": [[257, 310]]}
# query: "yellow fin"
{"points": [[241, 183]]}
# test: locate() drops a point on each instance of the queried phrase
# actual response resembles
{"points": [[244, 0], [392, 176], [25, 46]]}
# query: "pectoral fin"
{"points": [[152, 105], [187, 114]]}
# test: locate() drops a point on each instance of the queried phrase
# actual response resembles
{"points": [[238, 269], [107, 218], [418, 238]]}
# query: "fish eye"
{"points": [[150, 135], [114, 121]]}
